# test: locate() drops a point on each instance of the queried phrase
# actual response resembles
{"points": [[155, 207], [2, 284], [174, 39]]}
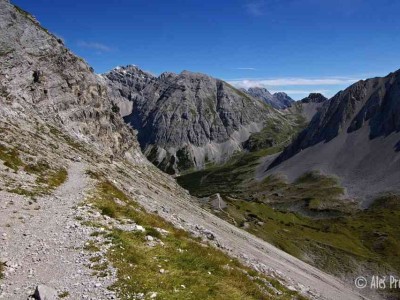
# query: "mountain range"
{"points": [[84, 214], [355, 136], [278, 100], [189, 119]]}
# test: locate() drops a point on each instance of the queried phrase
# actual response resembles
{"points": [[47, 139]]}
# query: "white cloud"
{"points": [[246, 69], [246, 83], [301, 92], [96, 46]]}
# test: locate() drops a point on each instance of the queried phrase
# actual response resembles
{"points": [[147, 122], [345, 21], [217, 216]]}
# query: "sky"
{"points": [[294, 46]]}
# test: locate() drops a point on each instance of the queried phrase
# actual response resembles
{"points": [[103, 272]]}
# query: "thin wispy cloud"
{"points": [[246, 69], [95, 46], [255, 8], [246, 83], [301, 92]]}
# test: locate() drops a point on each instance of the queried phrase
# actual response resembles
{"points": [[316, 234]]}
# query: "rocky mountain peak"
{"points": [[283, 99], [369, 108], [187, 119], [260, 92], [314, 98], [167, 75], [279, 100]]}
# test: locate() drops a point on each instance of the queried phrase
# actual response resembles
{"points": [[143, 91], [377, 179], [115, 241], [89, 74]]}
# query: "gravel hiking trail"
{"points": [[42, 243]]}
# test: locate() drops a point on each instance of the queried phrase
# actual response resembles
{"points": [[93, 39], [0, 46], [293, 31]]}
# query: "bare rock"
{"points": [[44, 292]]}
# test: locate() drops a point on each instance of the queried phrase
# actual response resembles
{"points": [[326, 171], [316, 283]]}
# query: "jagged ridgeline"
{"points": [[188, 120], [79, 202], [277, 100], [355, 136]]}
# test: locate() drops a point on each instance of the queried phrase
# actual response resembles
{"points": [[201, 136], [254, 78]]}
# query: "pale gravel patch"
{"points": [[45, 245]]}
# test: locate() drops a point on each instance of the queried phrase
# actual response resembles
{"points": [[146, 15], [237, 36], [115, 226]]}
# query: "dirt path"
{"points": [[42, 243]]}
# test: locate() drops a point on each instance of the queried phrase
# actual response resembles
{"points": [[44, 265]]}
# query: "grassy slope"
{"points": [[325, 230], [278, 132], [193, 269], [47, 178], [337, 245], [1, 270]]}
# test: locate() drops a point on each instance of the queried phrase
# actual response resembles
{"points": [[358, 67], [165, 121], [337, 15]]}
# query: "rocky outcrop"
{"points": [[186, 120], [278, 100], [44, 292], [40, 75], [125, 85], [374, 103], [308, 106], [354, 135], [283, 100], [314, 98]]}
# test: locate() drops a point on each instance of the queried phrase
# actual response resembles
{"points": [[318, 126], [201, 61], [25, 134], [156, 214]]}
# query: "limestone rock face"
{"points": [[278, 100], [354, 135], [44, 292], [185, 120], [374, 103], [39, 74]]}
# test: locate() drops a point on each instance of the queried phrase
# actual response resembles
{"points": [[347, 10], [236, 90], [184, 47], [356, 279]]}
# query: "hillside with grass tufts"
{"points": [[84, 215]]}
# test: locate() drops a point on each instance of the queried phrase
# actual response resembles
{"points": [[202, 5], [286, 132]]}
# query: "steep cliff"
{"points": [[186, 120], [40, 76], [355, 135]]}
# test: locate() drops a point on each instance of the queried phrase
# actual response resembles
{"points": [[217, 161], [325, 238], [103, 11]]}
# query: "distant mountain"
{"points": [[308, 106], [314, 98], [186, 120], [278, 100], [355, 135]]}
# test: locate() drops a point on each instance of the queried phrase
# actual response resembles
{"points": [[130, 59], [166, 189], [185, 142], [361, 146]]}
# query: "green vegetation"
{"points": [[184, 161], [232, 177], [115, 108], [52, 178], [64, 294], [309, 218], [10, 157], [2, 264], [47, 178], [47, 181], [225, 179], [179, 268], [276, 133], [313, 192], [337, 245], [91, 246]]}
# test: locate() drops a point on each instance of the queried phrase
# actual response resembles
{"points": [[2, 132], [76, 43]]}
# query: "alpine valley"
{"points": [[129, 185]]}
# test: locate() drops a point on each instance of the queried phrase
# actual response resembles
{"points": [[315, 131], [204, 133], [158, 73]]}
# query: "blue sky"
{"points": [[296, 46]]}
